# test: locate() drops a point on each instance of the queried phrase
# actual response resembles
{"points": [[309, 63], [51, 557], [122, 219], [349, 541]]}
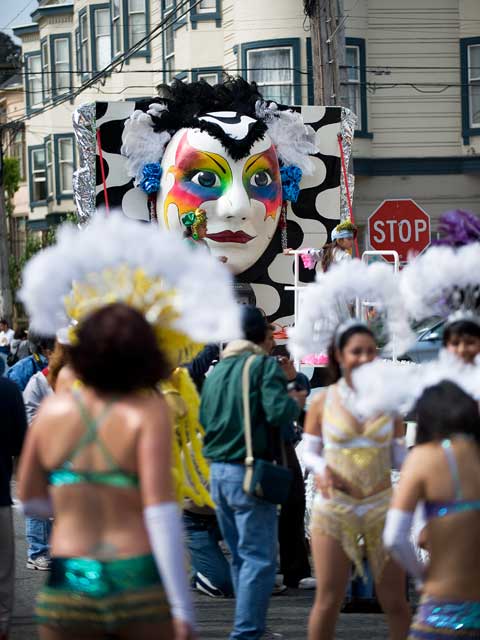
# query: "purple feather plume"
{"points": [[458, 228]]}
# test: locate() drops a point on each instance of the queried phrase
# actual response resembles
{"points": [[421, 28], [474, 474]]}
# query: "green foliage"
{"points": [[9, 57], [11, 181]]}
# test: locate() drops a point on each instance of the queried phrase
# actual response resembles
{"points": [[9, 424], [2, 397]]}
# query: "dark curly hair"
{"points": [[117, 352]]}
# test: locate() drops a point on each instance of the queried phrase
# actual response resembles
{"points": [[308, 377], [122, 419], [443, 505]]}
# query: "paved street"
{"points": [[288, 613]]}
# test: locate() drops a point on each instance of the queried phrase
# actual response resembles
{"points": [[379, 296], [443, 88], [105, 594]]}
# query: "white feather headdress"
{"points": [[325, 305], [443, 281], [115, 259], [384, 386]]}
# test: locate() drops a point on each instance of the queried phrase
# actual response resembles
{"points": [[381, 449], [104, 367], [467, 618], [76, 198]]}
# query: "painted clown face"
{"points": [[242, 198]]}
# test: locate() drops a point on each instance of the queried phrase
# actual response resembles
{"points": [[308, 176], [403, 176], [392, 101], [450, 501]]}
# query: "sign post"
{"points": [[401, 226]]}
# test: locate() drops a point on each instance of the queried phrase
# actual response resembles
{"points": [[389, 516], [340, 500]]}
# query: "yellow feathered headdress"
{"points": [[177, 290]]}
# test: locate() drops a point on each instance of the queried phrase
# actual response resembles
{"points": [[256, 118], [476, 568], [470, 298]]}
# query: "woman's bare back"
{"points": [[95, 519], [452, 539]]}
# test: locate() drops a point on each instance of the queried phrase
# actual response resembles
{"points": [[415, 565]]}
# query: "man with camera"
{"points": [[248, 522]]}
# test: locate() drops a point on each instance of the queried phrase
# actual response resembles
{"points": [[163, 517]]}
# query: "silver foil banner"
{"points": [[84, 179], [347, 129]]}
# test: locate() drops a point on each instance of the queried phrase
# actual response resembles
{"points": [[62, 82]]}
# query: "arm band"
{"points": [[419, 520], [312, 454], [38, 508], [399, 452], [165, 530], [397, 539]]}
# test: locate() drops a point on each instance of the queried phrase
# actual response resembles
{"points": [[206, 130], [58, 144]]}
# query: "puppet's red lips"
{"points": [[230, 236]]}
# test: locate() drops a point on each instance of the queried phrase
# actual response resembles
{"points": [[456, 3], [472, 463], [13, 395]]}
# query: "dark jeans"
{"points": [[209, 565], [294, 564], [362, 589]]}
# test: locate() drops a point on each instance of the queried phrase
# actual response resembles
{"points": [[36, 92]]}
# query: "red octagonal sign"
{"points": [[399, 225]]}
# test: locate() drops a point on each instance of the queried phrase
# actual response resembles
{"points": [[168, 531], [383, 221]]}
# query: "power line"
{"points": [[17, 15], [368, 69], [161, 28]]}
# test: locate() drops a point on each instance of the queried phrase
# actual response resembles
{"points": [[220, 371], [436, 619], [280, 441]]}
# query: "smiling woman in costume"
{"points": [[350, 454], [104, 460], [352, 459], [226, 151]]}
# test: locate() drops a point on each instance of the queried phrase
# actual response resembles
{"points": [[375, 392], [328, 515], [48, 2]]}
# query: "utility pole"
{"points": [[6, 306], [327, 26]]}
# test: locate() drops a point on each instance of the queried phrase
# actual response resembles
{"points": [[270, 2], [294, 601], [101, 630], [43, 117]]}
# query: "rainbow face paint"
{"points": [[261, 179], [242, 198], [199, 176]]}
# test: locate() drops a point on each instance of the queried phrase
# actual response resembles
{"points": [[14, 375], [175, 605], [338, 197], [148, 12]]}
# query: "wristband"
{"points": [[312, 454], [165, 530]]}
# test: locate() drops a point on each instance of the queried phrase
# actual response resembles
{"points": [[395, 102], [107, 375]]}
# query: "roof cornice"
{"points": [[52, 10], [24, 29]]}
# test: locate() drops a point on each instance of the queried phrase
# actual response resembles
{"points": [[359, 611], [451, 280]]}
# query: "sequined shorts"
{"points": [[84, 593], [436, 619], [357, 524]]}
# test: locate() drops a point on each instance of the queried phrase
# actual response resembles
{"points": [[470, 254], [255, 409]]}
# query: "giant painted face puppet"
{"points": [[172, 132], [242, 197], [229, 161]]}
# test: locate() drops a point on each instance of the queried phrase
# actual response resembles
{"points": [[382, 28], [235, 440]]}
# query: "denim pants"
{"points": [[249, 528], [206, 557], [37, 532]]}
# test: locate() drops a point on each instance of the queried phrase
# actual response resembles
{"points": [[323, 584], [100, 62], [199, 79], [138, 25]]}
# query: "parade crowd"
{"points": [[152, 466]]}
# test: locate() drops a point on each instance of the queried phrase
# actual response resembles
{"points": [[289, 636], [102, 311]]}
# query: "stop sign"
{"points": [[399, 225]]}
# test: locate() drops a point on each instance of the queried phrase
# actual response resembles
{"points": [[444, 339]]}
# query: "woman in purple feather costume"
{"points": [[462, 330], [457, 228]]}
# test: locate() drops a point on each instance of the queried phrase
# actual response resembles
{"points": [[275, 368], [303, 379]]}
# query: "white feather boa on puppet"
{"points": [[140, 143], [293, 139]]}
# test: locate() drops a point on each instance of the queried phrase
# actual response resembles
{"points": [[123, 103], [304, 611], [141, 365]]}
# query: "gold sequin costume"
{"points": [[364, 460]]}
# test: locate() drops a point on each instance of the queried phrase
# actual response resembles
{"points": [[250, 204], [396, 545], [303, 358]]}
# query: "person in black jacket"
{"points": [[13, 425]]}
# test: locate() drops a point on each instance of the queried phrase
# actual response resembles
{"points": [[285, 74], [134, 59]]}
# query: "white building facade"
{"points": [[413, 80]]}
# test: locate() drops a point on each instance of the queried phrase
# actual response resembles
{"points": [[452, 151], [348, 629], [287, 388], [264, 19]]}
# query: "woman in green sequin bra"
{"points": [[100, 460]]}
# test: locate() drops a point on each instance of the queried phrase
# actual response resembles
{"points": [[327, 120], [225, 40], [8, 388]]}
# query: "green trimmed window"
{"points": [[34, 81], [116, 27], [61, 56], [272, 69], [137, 21], [102, 42], [38, 176]]}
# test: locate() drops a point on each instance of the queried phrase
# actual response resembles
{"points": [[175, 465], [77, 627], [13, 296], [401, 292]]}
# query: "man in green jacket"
{"points": [[248, 524]]}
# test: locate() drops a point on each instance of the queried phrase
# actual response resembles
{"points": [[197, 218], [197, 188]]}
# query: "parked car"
{"points": [[427, 345]]}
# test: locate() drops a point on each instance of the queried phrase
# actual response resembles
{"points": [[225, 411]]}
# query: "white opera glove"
{"points": [[165, 530], [38, 508], [397, 540], [312, 454], [399, 452]]}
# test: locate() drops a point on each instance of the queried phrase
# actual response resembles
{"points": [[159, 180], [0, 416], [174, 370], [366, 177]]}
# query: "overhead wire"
{"points": [[158, 30], [17, 15]]}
